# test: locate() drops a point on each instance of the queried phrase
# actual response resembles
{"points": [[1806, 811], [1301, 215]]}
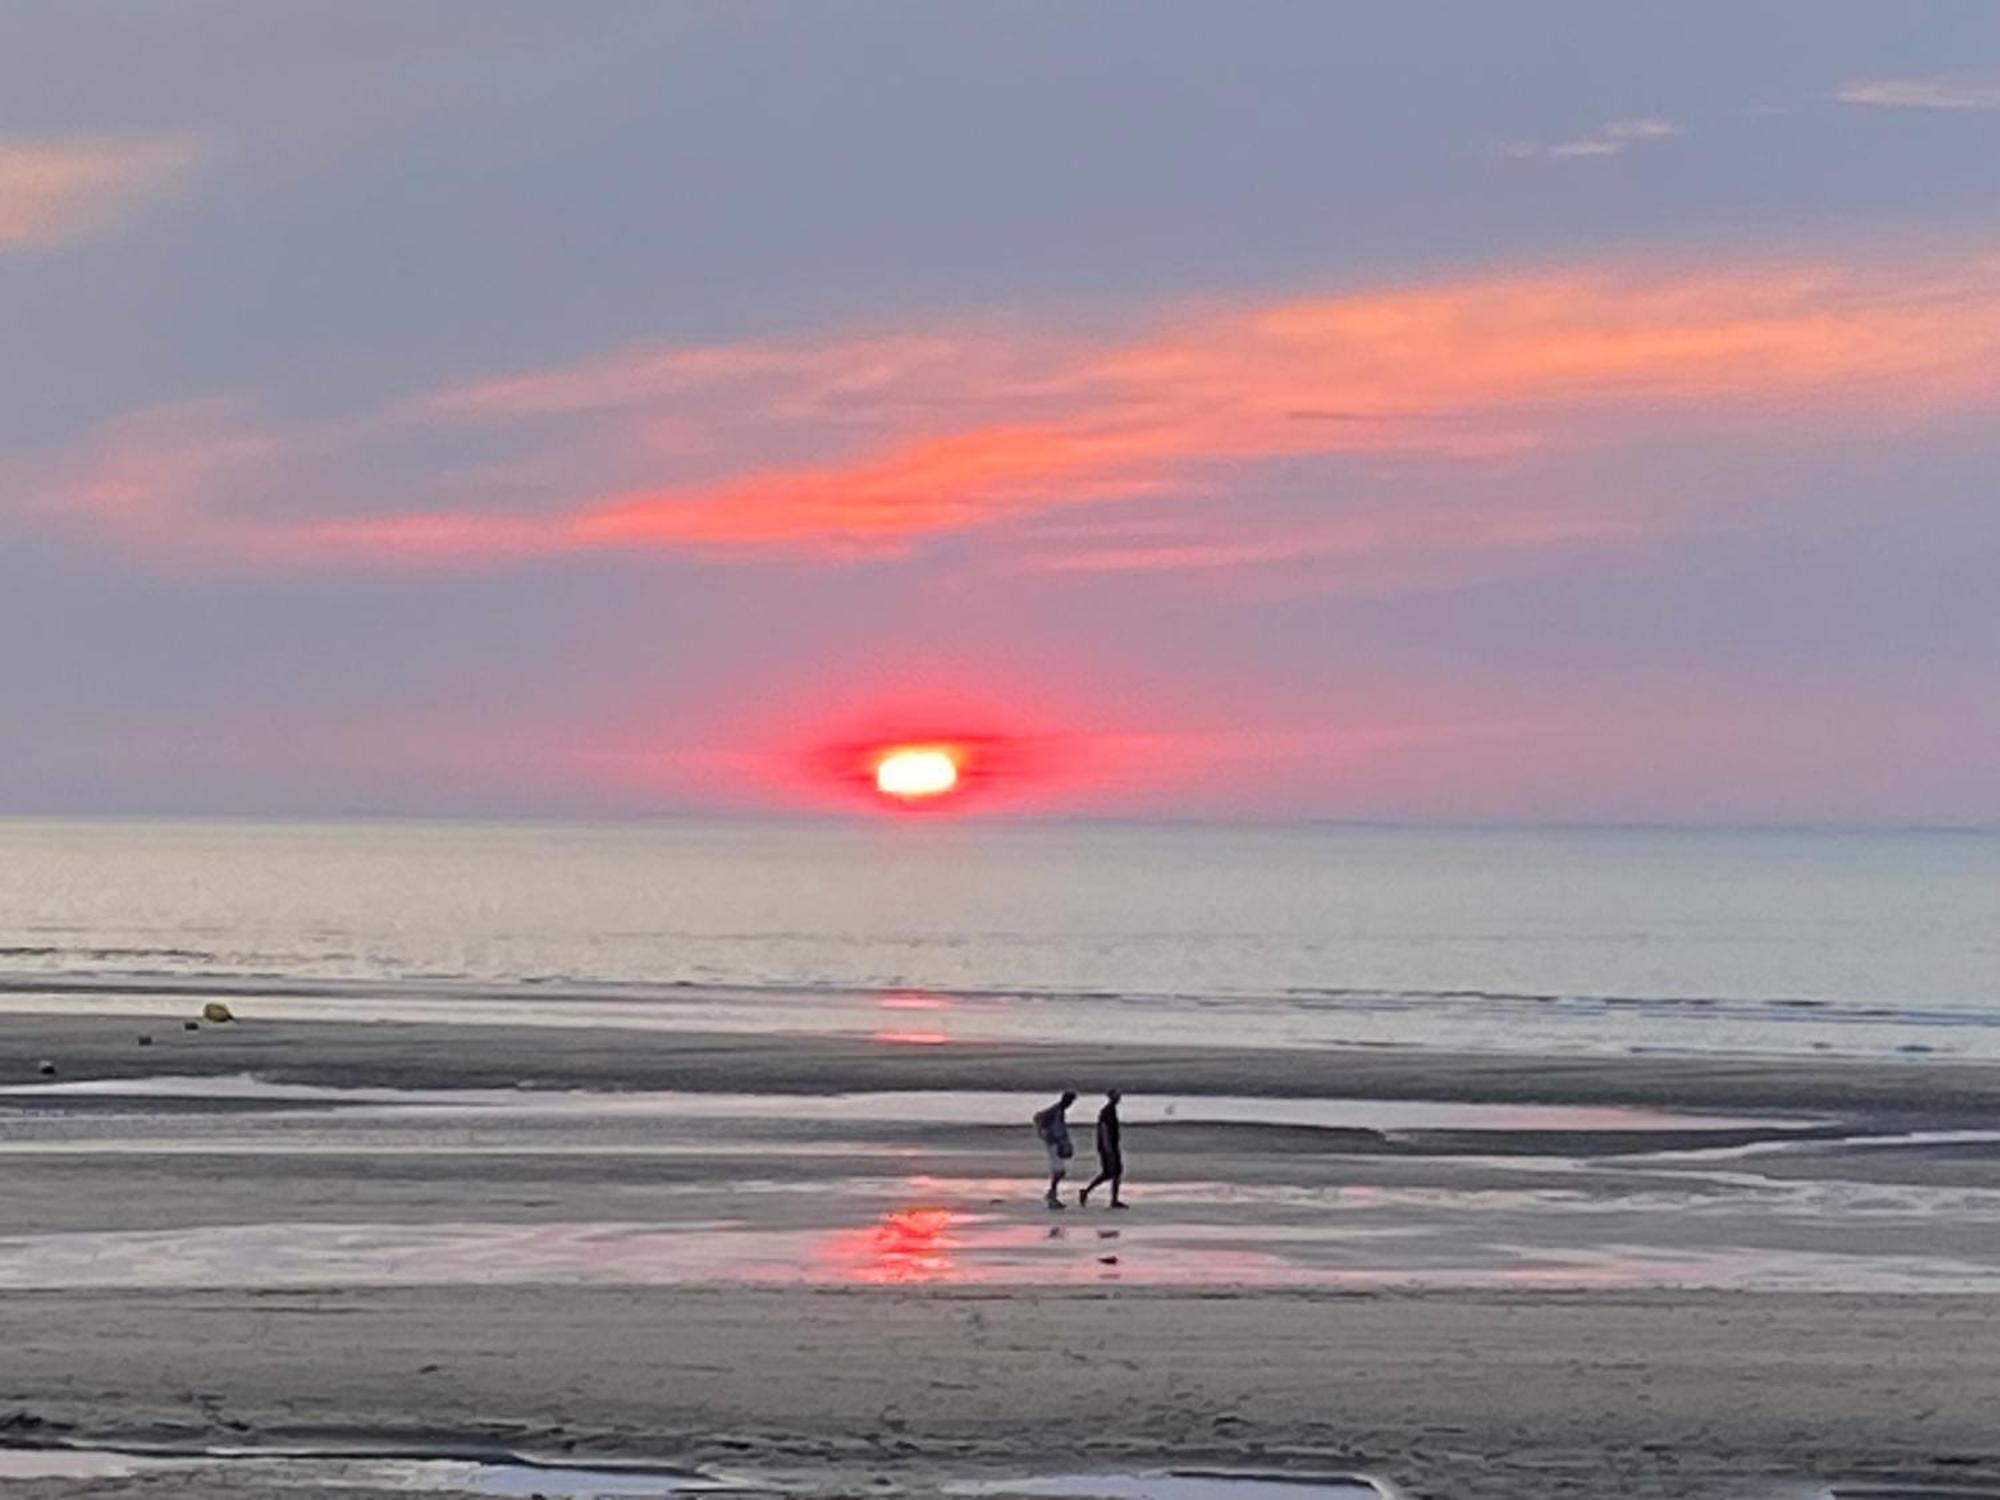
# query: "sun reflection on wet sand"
{"points": [[933, 1035], [915, 1246], [913, 1000], [907, 1245]]}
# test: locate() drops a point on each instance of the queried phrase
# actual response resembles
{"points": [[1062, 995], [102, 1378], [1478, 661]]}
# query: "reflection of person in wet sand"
{"points": [[1052, 1125], [1110, 1153]]}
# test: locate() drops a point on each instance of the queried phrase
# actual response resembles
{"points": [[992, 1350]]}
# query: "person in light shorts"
{"points": [[1052, 1125]]}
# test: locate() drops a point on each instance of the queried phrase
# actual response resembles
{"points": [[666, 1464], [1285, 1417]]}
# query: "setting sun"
{"points": [[916, 772]]}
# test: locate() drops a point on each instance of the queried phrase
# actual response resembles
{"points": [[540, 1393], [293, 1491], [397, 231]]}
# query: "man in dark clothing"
{"points": [[1110, 1154]]}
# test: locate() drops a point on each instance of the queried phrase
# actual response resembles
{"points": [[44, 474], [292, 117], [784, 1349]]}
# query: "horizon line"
{"points": [[364, 816]]}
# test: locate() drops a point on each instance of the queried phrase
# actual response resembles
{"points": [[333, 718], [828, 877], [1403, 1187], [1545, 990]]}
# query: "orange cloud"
{"points": [[51, 191], [892, 439]]}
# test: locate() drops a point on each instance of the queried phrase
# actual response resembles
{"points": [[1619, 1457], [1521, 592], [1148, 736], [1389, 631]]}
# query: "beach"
{"points": [[819, 1264], [639, 638]]}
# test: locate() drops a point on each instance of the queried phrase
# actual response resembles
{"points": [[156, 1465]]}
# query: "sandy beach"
{"points": [[633, 633], [820, 1264]]}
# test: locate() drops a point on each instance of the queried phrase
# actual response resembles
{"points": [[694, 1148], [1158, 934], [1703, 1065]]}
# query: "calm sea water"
{"points": [[927, 932]]}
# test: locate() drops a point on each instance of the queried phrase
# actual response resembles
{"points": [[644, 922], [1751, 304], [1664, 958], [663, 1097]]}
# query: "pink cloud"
{"points": [[51, 191], [872, 445]]}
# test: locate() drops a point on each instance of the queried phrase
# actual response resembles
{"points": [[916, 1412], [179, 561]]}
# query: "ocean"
{"points": [[926, 932]]}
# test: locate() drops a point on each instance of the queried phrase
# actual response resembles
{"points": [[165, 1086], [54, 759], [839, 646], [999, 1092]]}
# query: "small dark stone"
{"points": [[46, 1068], [145, 1039], [190, 1026]]}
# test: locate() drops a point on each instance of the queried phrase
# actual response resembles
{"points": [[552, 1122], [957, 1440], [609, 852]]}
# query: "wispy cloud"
{"points": [[1611, 139], [54, 190], [1399, 541], [872, 445], [1924, 93]]}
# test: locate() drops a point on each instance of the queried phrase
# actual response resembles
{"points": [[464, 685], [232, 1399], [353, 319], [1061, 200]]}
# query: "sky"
{"points": [[1413, 411]]}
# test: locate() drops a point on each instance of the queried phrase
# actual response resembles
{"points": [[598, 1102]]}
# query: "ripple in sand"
{"points": [[416, 1475], [1178, 1484]]}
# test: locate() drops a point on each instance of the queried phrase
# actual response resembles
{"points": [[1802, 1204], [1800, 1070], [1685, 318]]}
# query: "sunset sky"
{"points": [[1405, 411]]}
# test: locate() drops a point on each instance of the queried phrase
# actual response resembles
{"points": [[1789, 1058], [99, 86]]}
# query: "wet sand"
{"points": [[1449, 1394], [722, 1265], [417, 1056]]}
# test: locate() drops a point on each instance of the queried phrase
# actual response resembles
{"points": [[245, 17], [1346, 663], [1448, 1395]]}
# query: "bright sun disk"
{"points": [[916, 773]]}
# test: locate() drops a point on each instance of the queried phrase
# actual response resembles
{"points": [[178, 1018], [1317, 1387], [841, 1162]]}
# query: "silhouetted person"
{"points": [[1110, 1153], [1052, 1125]]}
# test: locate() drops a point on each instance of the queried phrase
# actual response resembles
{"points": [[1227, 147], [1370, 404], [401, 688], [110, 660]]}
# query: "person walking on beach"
{"points": [[1052, 1125], [1110, 1153]]}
